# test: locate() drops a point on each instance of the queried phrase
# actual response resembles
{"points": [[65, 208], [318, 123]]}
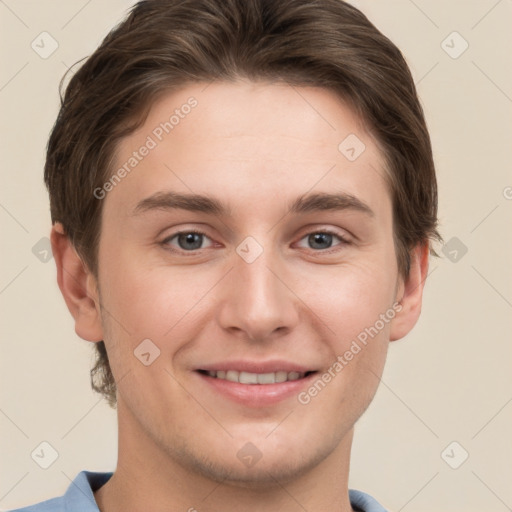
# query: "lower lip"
{"points": [[257, 395]]}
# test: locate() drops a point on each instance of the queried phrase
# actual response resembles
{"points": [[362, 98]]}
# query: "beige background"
{"points": [[449, 380]]}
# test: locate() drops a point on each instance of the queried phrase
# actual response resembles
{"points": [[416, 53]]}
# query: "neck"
{"points": [[148, 478]]}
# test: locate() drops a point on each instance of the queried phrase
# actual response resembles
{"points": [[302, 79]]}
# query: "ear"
{"points": [[77, 285], [410, 294]]}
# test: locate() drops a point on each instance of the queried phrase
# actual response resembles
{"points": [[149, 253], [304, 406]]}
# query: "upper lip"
{"points": [[257, 366]]}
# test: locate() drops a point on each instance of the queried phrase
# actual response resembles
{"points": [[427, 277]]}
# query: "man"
{"points": [[284, 142]]}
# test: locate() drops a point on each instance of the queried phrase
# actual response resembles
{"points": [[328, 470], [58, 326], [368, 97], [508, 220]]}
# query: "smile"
{"points": [[243, 377]]}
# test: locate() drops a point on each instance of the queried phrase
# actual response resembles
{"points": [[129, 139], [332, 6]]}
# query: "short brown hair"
{"points": [[165, 44]]}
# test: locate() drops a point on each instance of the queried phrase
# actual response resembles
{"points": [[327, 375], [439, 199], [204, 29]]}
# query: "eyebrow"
{"points": [[312, 202]]}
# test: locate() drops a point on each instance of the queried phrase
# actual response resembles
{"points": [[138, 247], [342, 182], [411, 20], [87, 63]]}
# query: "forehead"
{"points": [[249, 141]]}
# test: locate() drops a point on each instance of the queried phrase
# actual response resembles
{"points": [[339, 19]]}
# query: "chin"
{"points": [[271, 470]]}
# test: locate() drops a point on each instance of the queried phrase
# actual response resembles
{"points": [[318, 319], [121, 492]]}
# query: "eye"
{"points": [[191, 240], [322, 240], [187, 240]]}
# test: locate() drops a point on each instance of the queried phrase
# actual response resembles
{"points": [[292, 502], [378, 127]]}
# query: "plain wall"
{"points": [[448, 380]]}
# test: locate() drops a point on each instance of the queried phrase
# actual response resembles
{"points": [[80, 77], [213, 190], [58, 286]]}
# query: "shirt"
{"points": [[79, 497]]}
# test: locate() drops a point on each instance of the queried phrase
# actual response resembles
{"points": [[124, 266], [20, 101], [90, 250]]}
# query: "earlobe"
{"points": [[411, 294], [77, 285]]}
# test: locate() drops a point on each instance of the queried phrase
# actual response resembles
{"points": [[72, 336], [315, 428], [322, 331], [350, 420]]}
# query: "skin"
{"points": [[256, 147]]}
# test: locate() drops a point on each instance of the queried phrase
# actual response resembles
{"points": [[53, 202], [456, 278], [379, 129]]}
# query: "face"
{"points": [[247, 296]]}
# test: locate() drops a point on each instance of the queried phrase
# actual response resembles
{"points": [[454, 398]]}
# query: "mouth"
{"points": [[243, 377], [254, 384]]}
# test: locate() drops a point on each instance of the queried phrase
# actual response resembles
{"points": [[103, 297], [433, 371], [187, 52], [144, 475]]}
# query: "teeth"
{"points": [[248, 378], [256, 378], [281, 376], [266, 378], [232, 376]]}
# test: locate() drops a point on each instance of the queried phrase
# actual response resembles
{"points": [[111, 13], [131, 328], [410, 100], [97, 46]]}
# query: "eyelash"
{"points": [[343, 241]]}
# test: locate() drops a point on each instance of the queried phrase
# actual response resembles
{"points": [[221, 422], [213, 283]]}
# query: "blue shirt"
{"points": [[80, 498]]}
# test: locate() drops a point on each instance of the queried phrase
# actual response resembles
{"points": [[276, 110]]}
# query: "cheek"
{"points": [[360, 312], [162, 303], [349, 299], [356, 310]]}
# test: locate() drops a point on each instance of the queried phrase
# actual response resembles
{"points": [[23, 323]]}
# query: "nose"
{"points": [[257, 302]]}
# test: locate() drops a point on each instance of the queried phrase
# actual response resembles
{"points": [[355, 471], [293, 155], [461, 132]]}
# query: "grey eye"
{"points": [[320, 240]]}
